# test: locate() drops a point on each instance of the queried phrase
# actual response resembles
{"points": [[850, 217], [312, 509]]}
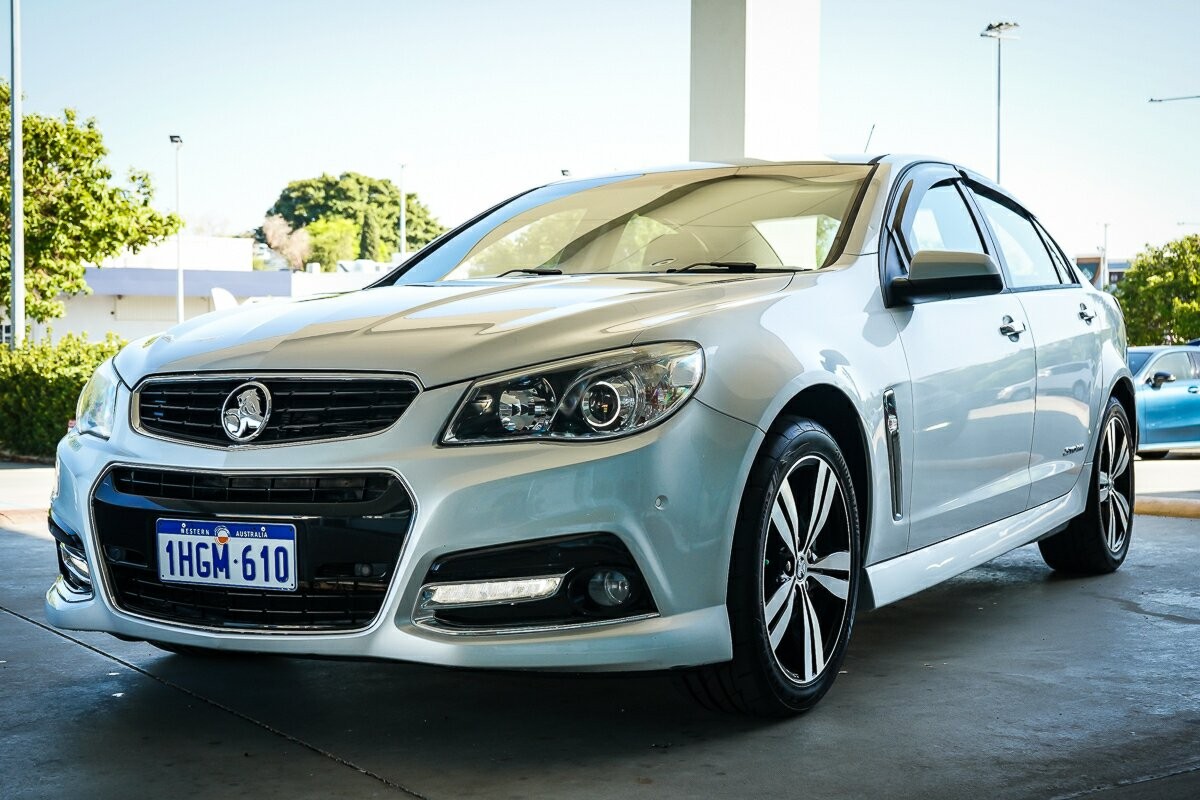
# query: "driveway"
{"points": [[1007, 682]]}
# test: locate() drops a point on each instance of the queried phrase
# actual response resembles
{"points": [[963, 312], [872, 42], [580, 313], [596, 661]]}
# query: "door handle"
{"points": [[1012, 330], [1193, 389], [1086, 314]]}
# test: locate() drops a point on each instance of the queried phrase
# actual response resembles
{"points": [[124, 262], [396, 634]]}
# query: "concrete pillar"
{"points": [[755, 79]]}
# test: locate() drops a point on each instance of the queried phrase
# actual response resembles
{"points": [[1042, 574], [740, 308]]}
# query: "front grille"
{"points": [[322, 606], [350, 529], [303, 408], [177, 485]]}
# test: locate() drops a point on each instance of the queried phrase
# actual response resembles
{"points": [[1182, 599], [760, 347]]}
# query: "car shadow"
{"points": [[417, 722]]}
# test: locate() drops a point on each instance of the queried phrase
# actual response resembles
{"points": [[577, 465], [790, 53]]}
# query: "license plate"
{"points": [[253, 555]]}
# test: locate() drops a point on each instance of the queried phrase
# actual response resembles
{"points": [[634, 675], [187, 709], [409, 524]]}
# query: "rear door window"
{"points": [[1029, 263]]}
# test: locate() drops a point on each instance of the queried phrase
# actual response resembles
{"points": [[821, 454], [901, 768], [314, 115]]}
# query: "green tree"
{"points": [[74, 214], [370, 243], [420, 226], [1160, 294], [332, 240], [349, 196]]}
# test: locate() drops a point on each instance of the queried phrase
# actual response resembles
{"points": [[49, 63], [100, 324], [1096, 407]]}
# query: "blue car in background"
{"points": [[1168, 398]]}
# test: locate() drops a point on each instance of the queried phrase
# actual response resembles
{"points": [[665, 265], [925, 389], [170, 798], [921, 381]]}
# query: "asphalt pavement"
{"points": [[1006, 682]]}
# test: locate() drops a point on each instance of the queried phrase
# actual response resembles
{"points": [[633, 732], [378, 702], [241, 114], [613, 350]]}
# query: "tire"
{"points": [[1154, 455], [1097, 541], [799, 498]]}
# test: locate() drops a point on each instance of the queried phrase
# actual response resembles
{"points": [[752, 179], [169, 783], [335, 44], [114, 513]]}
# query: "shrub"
{"points": [[39, 384]]}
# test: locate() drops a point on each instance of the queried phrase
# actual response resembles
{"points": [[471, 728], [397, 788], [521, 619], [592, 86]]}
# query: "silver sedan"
{"points": [[688, 419]]}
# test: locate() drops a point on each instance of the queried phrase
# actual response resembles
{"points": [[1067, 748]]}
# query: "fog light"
{"points": [[609, 588], [76, 565], [477, 593]]}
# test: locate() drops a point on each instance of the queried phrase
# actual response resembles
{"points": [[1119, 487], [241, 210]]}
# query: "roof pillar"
{"points": [[754, 79]]}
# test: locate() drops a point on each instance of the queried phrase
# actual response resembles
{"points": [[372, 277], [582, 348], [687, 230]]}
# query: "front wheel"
{"points": [[1097, 541], [794, 576], [1153, 455]]}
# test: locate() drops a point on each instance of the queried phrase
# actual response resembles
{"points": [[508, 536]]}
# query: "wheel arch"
{"points": [[1124, 392], [833, 409]]}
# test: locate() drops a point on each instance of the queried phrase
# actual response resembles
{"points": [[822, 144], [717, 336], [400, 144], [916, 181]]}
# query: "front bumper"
{"points": [[669, 494]]}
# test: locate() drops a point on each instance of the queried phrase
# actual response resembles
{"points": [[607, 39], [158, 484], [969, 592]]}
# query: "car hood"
{"points": [[440, 332]]}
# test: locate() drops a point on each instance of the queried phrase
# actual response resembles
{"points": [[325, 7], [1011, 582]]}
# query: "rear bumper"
{"points": [[669, 494]]}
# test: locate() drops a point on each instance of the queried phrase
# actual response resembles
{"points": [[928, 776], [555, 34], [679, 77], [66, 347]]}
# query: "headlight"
{"points": [[97, 405], [595, 397]]}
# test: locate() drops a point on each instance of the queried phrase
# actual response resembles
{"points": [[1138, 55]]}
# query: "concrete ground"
{"points": [[25, 486], [1007, 682], [1177, 475]]}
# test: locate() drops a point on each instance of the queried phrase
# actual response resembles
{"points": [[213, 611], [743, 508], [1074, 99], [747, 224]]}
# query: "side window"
{"points": [[1178, 364], [1067, 274], [942, 222], [1025, 254]]}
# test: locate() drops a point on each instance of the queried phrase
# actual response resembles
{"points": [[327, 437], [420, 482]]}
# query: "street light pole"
{"points": [[177, 140], [996, 30], [17, 314]]}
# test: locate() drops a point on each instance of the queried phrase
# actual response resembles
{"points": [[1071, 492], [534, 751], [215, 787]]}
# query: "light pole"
{"points": [[17, 315], [997, 31], [403, 216], [177, 140]]}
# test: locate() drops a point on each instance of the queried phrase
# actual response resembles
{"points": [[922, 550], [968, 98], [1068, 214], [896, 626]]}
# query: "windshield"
{"points": [[1137, 361], [781, 217]]}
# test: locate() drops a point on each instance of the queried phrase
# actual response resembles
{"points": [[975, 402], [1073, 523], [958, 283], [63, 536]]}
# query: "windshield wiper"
{"points": [[532, 271], [732, 266]]}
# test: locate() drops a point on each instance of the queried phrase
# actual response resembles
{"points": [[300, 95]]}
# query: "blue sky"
{"points": [[482, 99]]}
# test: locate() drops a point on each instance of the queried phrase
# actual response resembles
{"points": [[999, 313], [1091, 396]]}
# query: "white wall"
{"points": [[132, 316], [127, 316], [196, 252], [305, 284]]}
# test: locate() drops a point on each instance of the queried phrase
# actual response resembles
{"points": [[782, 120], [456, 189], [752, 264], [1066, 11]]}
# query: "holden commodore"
{"points": [[689, 419]]}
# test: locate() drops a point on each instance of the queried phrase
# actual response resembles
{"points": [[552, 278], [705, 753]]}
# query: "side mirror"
{"points": [[948, 272], [1159, 378]]}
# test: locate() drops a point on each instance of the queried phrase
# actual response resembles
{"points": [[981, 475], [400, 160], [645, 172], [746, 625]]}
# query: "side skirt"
{"points": [[899, 577]]}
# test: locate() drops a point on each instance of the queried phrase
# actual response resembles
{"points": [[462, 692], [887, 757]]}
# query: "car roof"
{"points": [[860, 159]]}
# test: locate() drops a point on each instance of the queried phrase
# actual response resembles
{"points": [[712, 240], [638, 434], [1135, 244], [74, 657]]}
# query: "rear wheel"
{"points": [[1097, 541], [1154, 455], [794, 575]]}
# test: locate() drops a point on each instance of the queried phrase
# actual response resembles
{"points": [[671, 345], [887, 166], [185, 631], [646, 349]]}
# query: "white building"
{"points": [[133, 295]]}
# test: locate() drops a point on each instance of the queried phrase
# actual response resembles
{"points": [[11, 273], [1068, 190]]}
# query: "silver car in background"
{"points": [[690, 419]]}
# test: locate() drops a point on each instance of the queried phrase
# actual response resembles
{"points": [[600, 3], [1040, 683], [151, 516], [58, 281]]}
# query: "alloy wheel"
{"points": [[1115, 484], [806, 569]]}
